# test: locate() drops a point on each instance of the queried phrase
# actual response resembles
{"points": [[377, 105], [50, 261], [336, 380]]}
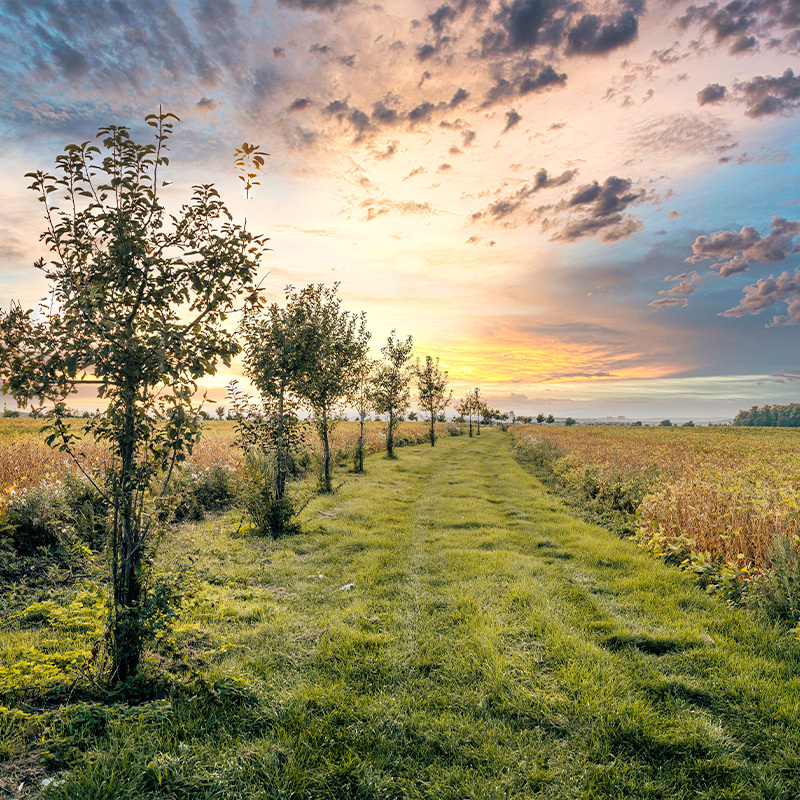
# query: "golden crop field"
{"points": [[26, 460], [729, 490]]}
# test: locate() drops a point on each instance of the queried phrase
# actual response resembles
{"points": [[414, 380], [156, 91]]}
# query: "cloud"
{"points": [[748, 243], [378, 207], [415, 171], [674, 214], [458, 98], [512, 119], [508, 205], [765, 292], [314, 5], [683, 134], [669, 302], [765, 96], [591, 37], [598, 210], [389, 152], [300, 104], [535, 78], [683, 289], [735, 266], [526, 25], [712, 93]]}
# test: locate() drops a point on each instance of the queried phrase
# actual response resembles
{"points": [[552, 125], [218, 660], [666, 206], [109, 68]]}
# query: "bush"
{"points": [[38, 517], [269, 515], [776, 591], [192, 492]]}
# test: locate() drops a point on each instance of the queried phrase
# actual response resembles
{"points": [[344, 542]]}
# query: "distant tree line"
{"points": [[770, 416]]}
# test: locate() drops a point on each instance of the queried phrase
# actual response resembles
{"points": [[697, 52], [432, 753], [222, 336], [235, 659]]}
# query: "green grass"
{"points": [[489, 646]]}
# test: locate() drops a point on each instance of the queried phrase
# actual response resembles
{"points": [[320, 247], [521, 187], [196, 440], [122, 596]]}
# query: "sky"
{"points": [[585, 208]]}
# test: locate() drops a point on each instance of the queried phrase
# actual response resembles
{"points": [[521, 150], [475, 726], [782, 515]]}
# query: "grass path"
{"points": [[444, 629]]}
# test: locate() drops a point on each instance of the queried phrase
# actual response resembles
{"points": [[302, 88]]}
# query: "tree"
{"points": [[332, 344], [464, 411], [433, 394], [220, 412], [665, 423], [550, 419], [363, 403], [478, 408], [569, 422], [137, 309], [540, 418], [390, 392], [273, 360]]}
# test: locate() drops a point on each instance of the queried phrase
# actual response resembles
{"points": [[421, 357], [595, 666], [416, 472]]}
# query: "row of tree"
{"points": [[770, 416]]}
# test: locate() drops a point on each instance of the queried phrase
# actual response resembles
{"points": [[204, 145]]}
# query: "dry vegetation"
{"points": [[727, 490], [25, 459]]}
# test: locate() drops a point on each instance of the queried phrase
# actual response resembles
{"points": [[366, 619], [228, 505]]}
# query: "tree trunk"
{"points": [[390, 436], [433, 434], [127, 572], [470, 424], [280, 466], [326, 453], [360, 464]]}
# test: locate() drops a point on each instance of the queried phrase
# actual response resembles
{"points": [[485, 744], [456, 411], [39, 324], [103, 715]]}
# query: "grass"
{"points": [[442, 628]]}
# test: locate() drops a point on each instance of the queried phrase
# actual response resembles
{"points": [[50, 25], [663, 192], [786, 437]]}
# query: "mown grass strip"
{"points": [[444, 629]]}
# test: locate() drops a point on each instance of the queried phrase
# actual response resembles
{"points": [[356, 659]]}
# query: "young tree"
{"points": [[332, 344], [540, 418], [363, 402], [433, 395], [390, 392], [138, 302], [464, 410], [273, 360], [479, 407]]}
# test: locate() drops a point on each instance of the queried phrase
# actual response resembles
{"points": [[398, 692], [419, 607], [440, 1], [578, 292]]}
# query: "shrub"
{"points": [[37, 518], [192, 491], [269, 514], [776, 590]]}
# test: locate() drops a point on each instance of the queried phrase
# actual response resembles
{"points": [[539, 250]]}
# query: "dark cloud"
{"points": [[348, 61], [508, 205], [512, 119], [314, 5], [467, 138], [712, 93], [440, 18], [674, 214], [444, 168], [207, 104], [769, 95], [425, 51], [71, 63], [279, 52], [597, 209], [743, 45], [300, 104], [421, 113], [319, 48], [591, 37], [536, 78], [459, 97]]}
